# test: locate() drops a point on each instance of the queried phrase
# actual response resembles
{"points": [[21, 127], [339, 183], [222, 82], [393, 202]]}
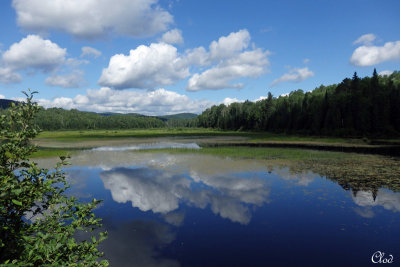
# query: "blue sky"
{"points": [[169, 56]]}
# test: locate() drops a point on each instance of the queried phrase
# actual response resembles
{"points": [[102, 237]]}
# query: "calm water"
{"points": [[197, 210]]}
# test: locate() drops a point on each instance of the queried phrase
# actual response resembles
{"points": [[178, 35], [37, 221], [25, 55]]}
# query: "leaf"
{"points": [[16, 202], [16, 191]]}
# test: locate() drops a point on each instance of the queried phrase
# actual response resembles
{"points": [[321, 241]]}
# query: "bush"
{"points": [[39, 224]]}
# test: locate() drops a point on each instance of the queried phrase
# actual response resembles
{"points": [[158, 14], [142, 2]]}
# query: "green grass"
{"points": [[76, 136], [50, 153], [137, 133]]}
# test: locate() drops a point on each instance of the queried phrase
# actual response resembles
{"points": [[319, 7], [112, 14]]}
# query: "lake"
{"points": [[192, 209]]}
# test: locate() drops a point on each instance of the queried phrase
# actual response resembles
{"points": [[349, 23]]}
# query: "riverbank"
{"points": [[66, 142]]}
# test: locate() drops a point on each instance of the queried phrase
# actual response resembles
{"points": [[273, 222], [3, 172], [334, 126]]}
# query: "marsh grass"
{"points": [[49, 153], [77, 136]]}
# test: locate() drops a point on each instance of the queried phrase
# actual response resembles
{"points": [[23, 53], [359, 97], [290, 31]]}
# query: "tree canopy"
{"points": [[39, 223], [355, 107]]}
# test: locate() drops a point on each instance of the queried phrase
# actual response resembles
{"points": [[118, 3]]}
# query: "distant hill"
{"points": [[125, 114], [179, 116], [5, 103]]}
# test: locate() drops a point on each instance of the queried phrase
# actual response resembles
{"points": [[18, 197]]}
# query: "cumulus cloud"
{"points": [[226, 46], [160, 64], [172, 37], [93, 18], [246, 64], [227, 101], [158, 102], [365, 39], [371, 55], [88, 51], [260, 98], [2, 97], [294, 75], [231, 63], [7, 75], [33, 52], [385, 72], [72, 80], [145, 67]]}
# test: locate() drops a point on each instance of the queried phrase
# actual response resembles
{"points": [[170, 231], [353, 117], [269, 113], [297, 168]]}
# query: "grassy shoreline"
{"points": [[67, 142], [76, 135]]}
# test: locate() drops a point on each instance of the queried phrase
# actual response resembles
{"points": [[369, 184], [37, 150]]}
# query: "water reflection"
{"points": [[147, 189], [303, 178], [137, 243], [158, 145], [366, 200], [201, 210], [228, 195]]}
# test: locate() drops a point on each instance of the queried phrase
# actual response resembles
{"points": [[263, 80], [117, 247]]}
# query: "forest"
{"points": [[60, 119], [367, 106]]}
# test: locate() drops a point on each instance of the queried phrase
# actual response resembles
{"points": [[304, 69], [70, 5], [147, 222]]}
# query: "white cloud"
{"points": [[197, 56], [294, 75], [36, 53], [7, 75], [72, 80], [158, 102], [160, 64], [306, 60], [229, 45], [232, 63], [260, 98], [145, 67], [2, 97], [93, 18], [172, 37], [365, 39], [371, 55], [90, 51], [246, 64], [227, 101], [385, 72]]}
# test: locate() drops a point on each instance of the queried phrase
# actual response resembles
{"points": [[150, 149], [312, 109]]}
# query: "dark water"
{"points": [[192, 210]]}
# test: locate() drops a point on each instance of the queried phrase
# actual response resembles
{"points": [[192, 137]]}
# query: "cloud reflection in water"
{"points": [[137, 243], [158, 145], [161, 191], [365, 199]]}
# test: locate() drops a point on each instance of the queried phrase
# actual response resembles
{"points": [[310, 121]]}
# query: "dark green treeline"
{"points": [[356, 107], [61, 119]]}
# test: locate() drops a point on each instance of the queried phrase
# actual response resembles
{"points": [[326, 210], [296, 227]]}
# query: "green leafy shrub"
{"points": [[39, 223]]}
